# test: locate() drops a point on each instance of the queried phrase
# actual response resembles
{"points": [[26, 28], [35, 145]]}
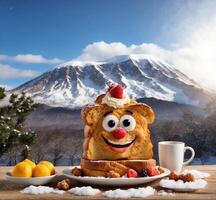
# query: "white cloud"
{"points": [[8, 72], [30, 58], [192, 33], [193, 28], [100, 51]]}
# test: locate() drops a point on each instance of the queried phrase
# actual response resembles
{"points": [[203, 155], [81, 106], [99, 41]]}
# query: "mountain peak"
{"points": [[114, 59], [135, 57], [76, 83]]}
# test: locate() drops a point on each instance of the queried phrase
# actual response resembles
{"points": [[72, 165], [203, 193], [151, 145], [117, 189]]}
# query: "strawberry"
{"points": [[132, 173], [111, 86], [116, 91], [153, 171]]}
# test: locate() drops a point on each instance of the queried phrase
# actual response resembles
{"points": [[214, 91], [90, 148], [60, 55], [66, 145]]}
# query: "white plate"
{"points": [[113, 181], [29, 181]]}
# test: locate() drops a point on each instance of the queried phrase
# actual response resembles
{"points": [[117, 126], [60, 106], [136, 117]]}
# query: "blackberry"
{"points": [[143, 173]]}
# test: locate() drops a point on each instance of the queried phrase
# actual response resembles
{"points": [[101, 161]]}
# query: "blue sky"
{"points": [[37, 35]]}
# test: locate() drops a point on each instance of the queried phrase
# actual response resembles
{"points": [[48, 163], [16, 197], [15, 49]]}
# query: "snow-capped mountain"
{"points": [[76, 83]]}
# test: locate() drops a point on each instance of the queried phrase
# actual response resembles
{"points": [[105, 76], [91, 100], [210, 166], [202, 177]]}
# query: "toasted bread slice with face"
{"points": [[103, 142]]}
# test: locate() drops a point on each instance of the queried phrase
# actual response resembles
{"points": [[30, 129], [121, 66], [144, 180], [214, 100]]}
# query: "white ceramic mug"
{"points": [[171, 155]]}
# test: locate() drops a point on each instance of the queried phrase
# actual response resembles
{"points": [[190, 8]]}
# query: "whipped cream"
{"points": [[115, 102]]}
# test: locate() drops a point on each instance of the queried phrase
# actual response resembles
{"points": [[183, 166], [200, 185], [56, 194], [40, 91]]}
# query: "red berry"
{"points": [[111, 86], [153, 171], [132, 173], [119, 133], [116, 91]]}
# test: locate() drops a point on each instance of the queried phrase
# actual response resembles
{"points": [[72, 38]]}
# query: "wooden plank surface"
{"points": [[10, 191]]}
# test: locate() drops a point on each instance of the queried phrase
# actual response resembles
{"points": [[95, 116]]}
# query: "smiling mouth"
{"points": [[118, 144]]}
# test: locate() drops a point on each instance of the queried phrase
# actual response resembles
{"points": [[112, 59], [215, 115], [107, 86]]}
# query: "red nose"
{"points": [[119, 133]]}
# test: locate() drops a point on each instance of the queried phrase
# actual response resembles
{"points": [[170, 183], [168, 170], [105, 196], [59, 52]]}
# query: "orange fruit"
{"points": [[33, 165], [49, 165], [22, 169], [40, 170]]}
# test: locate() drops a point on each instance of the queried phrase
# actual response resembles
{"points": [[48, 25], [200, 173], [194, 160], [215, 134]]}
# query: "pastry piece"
{"points": [[76, 171], [184, 177], [174, 176], [105, 166], [187, 177], [161, 170], [96, 173], [91, 172], [112, 174]]}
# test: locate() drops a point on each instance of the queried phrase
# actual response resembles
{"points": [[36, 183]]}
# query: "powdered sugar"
{"points": [[172, 184], [84, 191], [196, 173], [139, 192], [40, 190]]}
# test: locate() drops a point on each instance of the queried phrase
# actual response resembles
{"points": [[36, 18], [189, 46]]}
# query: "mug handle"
{"points": [[192, 156]]}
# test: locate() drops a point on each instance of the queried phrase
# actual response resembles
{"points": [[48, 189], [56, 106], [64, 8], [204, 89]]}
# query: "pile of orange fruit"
{"points": [[28, 169]]}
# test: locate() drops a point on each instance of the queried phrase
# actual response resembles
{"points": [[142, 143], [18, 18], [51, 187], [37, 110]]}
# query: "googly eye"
{"points": [[110, 123], [127, 122]]}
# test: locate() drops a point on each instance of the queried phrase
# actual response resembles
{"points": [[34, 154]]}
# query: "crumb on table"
{"points": [[64, 184]]}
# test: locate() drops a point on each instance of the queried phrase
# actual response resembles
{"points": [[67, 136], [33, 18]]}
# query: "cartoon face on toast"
{"points": [[119, 130]]}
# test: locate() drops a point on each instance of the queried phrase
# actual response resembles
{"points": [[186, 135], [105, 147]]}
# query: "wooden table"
{"points": [[11, 191]]}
